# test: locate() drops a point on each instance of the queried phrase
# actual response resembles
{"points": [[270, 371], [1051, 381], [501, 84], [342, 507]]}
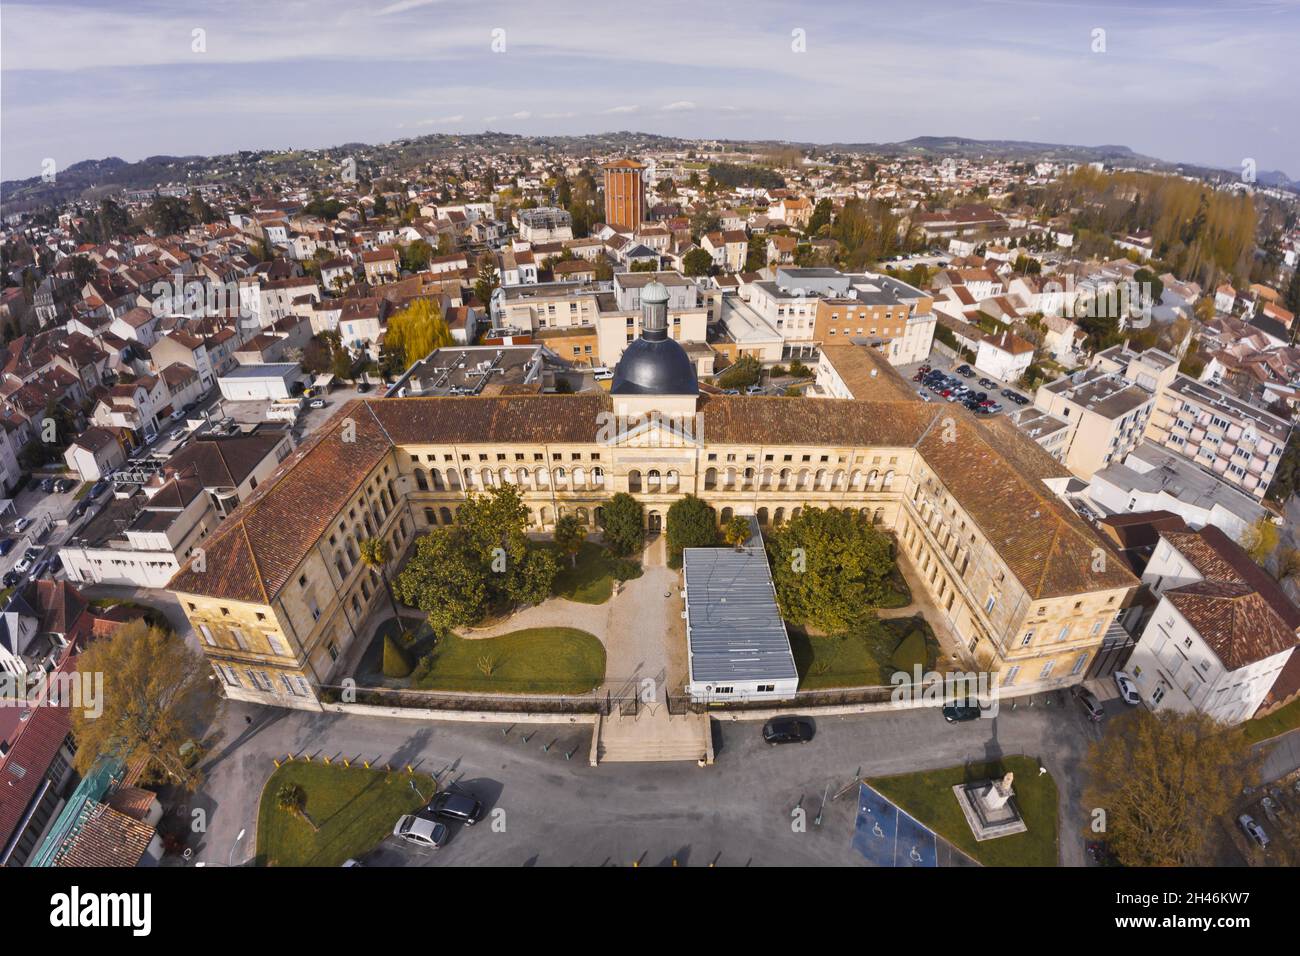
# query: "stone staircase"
{"points": [[652, 735]]}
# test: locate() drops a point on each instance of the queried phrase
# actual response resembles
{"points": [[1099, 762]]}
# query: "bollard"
{"points": [[276, 762], [410, 770], [568, 754], [546, 748], [366, 764], [529, 736], [326, 760], [347, 763]]}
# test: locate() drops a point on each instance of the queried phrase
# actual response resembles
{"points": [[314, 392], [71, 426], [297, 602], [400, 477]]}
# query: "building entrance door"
{"points": [[655, 522]]}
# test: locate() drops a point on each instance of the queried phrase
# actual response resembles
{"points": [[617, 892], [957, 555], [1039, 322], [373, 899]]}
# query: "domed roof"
{"points": [[654, 291], [651, 367]]}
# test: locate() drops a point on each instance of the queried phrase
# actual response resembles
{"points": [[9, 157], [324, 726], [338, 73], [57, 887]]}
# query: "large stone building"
{"points": [[1015, 577]]}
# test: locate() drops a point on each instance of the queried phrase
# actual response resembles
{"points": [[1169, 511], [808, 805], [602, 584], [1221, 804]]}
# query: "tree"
{"points": [[690, 525], [488, 278], [446, 580], [374, 555], [397, 663], [821, 216], [697, 262], [416, 331], [292, 799], [1288, 564], [623, 520], [416, 256], [342, 365], [736, 531], [830, 567], [83, 270], [530, 580], [1260, 539], [570, 536], [1162, 779], [156, 697], [742, 373]]}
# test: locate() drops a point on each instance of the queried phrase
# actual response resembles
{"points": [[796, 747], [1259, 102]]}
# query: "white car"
{"points": [[421, 831], [1128, 691], [601, 374], [22, 524], [177, 434]]}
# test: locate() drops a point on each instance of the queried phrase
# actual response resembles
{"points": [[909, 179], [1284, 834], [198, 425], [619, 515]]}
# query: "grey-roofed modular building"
{"points": [[737, 643]]}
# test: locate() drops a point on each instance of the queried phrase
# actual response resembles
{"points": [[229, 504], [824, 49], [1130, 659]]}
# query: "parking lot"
{"points": [[975, 381]]}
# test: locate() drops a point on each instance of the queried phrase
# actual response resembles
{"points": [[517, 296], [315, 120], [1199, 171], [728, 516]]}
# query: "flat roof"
{"points": [[263, 370], [734, 629]]}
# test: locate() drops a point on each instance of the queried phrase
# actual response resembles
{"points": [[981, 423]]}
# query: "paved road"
{"points": [[559, 812]]}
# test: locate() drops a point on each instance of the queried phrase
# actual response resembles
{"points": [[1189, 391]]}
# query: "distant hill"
{"points": [[92, 178]]}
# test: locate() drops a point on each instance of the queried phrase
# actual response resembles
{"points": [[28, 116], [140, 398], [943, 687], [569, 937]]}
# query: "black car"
{"points": [[960, 713], [47, 485], [11, 579], [965, 371], [788, 730], [97, 489], [460, 807], [6, 545]]}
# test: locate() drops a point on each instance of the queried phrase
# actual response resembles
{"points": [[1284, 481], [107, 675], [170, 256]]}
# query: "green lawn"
{"points": [[929, 798], [865, 658], [1279, 722], [592, 581], [536, 660], [355, 809]]}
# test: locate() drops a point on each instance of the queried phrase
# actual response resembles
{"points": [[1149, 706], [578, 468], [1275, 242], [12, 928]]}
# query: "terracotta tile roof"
{"points": [[1238, 608], [1045, 545], [253, 553], [107, 838]]}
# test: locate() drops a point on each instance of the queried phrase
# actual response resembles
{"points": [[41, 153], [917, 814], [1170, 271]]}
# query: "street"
{"points": [[544, 809]]}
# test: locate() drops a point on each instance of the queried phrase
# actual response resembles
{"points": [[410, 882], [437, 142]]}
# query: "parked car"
{"points": [[28, 559], [1088, 701], [6, 545], [788, 730], [994, 407], [1253, 830], [178, 414], [316, 403], [960, 713], [965, 371], [363, 387], [461, 807], [421, 831], [22, 524], [47, 485], [98, 488], [177, 434], [64, 485], [12, 579], [988, 383], [754, 389], [1128, 691], [731, 391]]}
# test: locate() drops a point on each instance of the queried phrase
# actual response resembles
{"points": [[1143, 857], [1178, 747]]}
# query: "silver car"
{"points": [[421, 831], [1253, 830]]}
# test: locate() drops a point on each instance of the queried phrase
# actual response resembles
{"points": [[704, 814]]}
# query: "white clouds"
{"points": [[680, 106], [401, 6], [621, 109], [522, 114]]}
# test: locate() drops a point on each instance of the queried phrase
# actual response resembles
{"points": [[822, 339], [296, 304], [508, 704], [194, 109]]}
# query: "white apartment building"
{"points": [[1221, 634]]}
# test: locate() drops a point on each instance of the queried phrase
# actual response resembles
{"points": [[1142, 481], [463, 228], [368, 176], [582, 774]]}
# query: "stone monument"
{"points": [[989, 807]]}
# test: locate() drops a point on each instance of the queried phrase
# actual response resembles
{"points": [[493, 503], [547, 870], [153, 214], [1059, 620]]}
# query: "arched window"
{"points": [[598, 477], [438, 483], [521, 477], [559, 477], [543, 477], [763, 517], [888, 482], [421, 481], [429, 517], [445, 515], [710, 479], [583, 518], [506, 477], [674, 480], [726, 515], [634, 480], [652, 480], [579, 477]]}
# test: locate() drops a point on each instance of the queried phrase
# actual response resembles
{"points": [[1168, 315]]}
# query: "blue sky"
{"points": [[1195, 80]]}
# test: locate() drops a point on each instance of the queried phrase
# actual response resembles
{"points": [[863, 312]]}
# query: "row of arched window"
{"points": [[469, 479]]}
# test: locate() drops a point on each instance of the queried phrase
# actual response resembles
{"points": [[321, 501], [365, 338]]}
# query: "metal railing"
{"points": [[594, 702]]}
